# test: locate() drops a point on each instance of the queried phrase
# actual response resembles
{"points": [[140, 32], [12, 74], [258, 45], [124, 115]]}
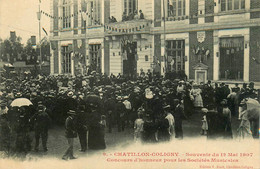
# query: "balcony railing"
{"points": [[128, 27]]}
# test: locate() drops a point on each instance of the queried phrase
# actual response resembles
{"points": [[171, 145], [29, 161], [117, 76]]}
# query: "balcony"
{"points": [[128, 27]]}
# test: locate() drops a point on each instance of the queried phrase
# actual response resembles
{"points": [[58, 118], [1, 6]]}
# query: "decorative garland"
{"points": [[108, 27]]}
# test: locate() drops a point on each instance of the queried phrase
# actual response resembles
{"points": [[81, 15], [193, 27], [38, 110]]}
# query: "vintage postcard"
{"points": [[89, 84]]}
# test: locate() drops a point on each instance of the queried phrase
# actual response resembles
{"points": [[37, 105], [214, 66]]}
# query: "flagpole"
{"points": [[164, 39], [39, 18]]}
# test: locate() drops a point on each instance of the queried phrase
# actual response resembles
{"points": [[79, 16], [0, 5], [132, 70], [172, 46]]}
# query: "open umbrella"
{"points": [[252, 103], [21, 102], [253, 109]]}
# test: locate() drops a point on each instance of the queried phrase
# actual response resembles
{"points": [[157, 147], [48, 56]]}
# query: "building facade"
{"points": [[206, 39]]}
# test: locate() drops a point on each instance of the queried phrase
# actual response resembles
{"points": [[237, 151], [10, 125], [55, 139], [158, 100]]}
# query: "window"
{"points": [[130, 6], [66, 59], [94, 12], [228, 5], [95, 57], [176, 54], [66, 11], [146, 58], [176, 7]]}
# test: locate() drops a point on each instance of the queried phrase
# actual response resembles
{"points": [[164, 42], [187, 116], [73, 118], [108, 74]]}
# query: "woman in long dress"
{"points": [[244, 131], [196, 93]]}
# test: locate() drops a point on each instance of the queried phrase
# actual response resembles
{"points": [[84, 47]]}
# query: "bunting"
{"points": [[86, 14]]}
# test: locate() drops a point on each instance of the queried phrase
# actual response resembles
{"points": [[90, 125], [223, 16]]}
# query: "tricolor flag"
{"points": [[170, 3]]}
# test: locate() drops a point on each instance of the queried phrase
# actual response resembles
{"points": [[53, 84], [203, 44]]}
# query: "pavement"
{"points": [[57, 142], [120, 143]]}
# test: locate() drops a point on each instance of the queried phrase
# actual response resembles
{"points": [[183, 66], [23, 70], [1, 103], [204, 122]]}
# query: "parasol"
{"points": [[253, 109], [252, 103], [21, 102]]}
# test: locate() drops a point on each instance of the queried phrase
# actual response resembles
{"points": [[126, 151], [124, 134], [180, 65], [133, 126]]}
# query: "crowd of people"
{"points": [[154, 106], [132, 16]]}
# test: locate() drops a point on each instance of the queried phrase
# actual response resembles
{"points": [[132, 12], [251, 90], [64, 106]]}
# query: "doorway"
{"points": [[129, 59], [232, 58]]}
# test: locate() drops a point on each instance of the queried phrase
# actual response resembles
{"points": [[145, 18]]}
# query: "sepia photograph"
{"points": [[122, 84]]}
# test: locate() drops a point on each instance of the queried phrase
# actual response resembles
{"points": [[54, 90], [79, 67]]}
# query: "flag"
{"points": [[170, 3], [84, 16], [44, 31]]}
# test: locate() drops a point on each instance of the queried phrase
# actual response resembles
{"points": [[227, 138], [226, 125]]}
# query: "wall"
{"points": [[56, 58], [157, 52], [207, 44], [56, 14], [143, 49], [193, 11], [254, 4], [116, 9], [75, 18], [115, 59], [209, 9], [147, 8], [107, 57], [157, 12]]}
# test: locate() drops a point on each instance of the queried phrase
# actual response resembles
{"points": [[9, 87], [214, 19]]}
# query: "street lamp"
{"points": [[39, 19]]}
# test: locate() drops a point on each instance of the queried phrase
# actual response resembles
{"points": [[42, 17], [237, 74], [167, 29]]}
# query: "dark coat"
{"points": [[178, 117], [41, 121], [70, 127]]}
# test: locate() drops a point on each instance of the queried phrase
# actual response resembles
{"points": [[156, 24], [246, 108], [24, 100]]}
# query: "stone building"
{"points": [[207, 39]]}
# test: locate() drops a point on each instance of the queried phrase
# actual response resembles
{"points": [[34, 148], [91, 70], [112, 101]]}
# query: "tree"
{"points": [[1, 49], [45, 50], [29, 55], [11, 49]]}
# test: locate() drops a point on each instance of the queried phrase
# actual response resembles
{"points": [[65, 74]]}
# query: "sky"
{"points": [[20, 16]]}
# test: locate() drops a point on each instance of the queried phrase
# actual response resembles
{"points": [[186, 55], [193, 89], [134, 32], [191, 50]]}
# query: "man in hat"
{"points": [[226, 119], [170, 118], [128, 107], [180, 89], [3, 109], [4, 129], [208, 94], [41, 122], [141, 14], [149, 129], [178, 117], [71, 133], [120, 114], [82, 128], [252, 92], [109, 107]]}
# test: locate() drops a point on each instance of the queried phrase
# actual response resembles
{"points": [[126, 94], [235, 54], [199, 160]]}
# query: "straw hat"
{"points": [[71, 112]]}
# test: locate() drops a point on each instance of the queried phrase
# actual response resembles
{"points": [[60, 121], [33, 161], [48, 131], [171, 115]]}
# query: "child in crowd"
{"points": [[138, 127], [204, 127]]}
